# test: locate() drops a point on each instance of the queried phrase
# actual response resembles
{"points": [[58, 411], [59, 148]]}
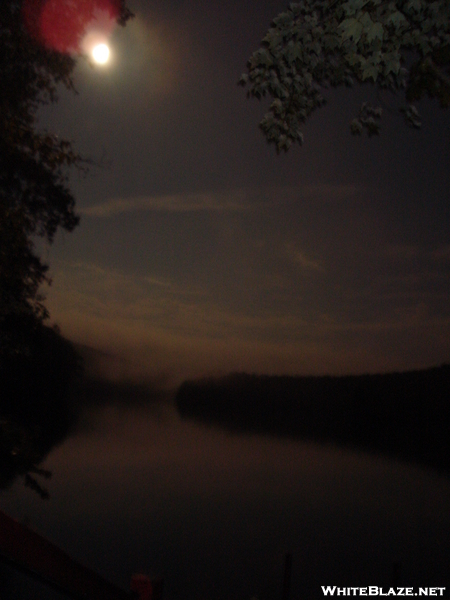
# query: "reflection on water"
{"points": [[139, 489]]}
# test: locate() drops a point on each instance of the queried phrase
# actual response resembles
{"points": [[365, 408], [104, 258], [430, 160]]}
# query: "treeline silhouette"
{"points": [[37, 409], [45, 387], [406, 415]]}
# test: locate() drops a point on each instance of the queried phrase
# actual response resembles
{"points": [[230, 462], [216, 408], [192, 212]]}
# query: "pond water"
{"points": [[139, 490]]}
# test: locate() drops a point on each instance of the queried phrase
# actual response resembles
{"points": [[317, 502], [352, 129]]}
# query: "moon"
{"points": [[100, 53]]}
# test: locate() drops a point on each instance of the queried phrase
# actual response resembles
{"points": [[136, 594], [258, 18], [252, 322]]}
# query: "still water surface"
{"points": [[140, 490]]}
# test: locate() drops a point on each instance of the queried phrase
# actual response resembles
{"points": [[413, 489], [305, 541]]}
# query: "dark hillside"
{"points": [[399, 414]]}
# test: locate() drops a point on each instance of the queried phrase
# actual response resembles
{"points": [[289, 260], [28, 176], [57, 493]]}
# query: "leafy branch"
{"points": [[316, 44]]}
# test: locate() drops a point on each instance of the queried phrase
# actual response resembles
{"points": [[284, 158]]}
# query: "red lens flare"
{"points": [[62, 24]]}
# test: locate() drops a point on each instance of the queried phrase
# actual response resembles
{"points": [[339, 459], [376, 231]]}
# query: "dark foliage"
{"points": [[401, 46], [35, 199], [36, 363], [36, 409], [399, 414]]}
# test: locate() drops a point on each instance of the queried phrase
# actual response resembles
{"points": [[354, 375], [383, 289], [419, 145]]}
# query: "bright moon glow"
{"points": [[100, 53]]}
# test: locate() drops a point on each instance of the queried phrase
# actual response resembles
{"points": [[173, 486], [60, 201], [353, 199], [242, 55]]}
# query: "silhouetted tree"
{"points": [[37, 403], [35, 199], [402, 46], [39, 42]]}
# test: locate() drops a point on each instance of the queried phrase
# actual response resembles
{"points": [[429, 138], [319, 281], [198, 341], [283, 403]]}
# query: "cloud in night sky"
{"points": [[182, 330], [222, 201], [301, 259], [227, 200], [200, 250]]}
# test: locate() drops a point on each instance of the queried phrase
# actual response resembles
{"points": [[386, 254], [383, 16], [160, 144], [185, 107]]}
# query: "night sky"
{"points": [[202, 251]]}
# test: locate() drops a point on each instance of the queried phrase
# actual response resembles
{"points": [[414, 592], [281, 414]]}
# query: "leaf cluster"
{"points": [[316, 44]]}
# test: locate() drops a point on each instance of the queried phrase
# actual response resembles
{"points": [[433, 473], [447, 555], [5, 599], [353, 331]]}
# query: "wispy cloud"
{"points": [[299, 257], [234, 200], [169, 327], [157, 282]]}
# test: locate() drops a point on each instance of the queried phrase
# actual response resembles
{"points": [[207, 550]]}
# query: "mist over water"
{"points": [[137, 489]]}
